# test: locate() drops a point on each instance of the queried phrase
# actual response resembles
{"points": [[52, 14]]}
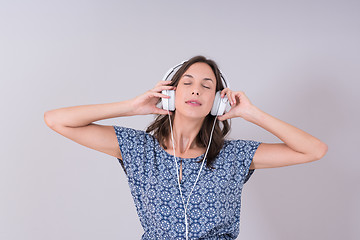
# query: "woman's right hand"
{"points": [[146, 102]]}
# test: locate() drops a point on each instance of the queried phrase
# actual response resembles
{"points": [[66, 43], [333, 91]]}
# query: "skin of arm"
{"points": [[83, 115], [76, 123], [298, 146]]}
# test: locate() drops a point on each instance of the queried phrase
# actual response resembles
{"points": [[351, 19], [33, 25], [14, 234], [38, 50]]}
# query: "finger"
{"points": [[241, 96], [162, 111], [223, 92], [162, 82], [160, 95], [236, 97], [223, 117], [230, 98], [160, 88], [233, 96], [166, 87]]}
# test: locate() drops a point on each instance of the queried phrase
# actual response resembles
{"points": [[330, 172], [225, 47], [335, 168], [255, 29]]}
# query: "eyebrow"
{"points": [[188, 75]]}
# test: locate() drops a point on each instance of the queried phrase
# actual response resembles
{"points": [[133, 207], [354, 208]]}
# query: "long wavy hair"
{"points": [[160, 127]]}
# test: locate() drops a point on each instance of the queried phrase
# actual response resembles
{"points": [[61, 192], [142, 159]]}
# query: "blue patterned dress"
{"points": [[214, 205]]}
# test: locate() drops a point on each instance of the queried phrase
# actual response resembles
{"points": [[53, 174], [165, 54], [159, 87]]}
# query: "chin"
{"points": [[195, 114]]}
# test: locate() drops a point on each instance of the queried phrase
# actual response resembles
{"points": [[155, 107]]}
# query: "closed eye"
{"points": [[202, 85]]}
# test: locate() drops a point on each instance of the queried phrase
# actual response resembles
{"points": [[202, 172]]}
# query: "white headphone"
{"points": [[219, 103], [218, 108]]}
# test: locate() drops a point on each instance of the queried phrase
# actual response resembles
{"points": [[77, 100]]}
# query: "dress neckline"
{"points": [[170, 155]]}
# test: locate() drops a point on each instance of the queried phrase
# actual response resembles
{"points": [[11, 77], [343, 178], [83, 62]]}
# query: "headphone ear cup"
{"points": [[219, 104], [168, 103]]}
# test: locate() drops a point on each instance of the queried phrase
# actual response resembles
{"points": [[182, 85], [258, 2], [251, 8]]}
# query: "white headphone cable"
{"points": [[177, 171]]}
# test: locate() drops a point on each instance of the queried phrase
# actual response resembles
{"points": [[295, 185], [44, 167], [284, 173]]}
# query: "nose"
{"points": [[195, 89], [195, 92]]}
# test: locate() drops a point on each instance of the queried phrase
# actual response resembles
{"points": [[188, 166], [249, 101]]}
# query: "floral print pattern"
{"points": [[214, 206]]}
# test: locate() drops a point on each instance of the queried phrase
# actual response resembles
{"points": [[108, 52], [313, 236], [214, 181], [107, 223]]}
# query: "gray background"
{"points": [[297, 60]]}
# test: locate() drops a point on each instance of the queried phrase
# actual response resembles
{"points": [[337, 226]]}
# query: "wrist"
{"points": [[131, 108], [253, 114]]}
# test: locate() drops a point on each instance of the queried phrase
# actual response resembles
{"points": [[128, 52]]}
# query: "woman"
{"points": [[175, 197]]}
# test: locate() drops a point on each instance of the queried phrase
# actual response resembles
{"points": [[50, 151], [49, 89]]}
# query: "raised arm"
{"points": [[297, 147], [76, 123]]}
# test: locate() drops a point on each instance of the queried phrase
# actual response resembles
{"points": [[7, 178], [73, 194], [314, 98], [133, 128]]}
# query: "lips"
{"points": [[193, 102]]}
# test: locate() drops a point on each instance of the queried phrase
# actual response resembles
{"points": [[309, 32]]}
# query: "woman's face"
{"points": [[195, 91]]}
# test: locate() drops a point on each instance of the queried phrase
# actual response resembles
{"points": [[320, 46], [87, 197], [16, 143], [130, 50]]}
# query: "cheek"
{"points": [[178, 96], [211, 98], [178, 93]]}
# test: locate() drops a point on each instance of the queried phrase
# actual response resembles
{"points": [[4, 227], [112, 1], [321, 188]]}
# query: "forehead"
{"points": [[200, 70]]}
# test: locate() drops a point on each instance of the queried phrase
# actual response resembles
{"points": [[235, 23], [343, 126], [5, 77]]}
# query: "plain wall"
{"points": [[296, 60]]}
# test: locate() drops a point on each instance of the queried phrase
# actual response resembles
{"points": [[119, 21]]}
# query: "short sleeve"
{"points": [[247, 149], [132, 147]]}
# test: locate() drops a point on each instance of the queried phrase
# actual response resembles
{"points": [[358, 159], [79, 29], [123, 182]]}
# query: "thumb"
{"points": [[162, 111], [227, 115]]}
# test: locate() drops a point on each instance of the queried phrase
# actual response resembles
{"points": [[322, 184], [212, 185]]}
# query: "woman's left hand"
{"points": [[240, 105]]}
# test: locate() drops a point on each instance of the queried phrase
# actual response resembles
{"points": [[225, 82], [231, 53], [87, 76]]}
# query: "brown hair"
{"points": [[161, 126]]}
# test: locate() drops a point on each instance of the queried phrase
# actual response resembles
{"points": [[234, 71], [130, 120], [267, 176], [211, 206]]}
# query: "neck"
{"points": [[185, 131]]}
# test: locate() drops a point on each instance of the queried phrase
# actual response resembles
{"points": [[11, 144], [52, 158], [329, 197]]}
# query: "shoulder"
{"points": [[127, 131], [127, 134], [243, 142], [240, 145]]}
